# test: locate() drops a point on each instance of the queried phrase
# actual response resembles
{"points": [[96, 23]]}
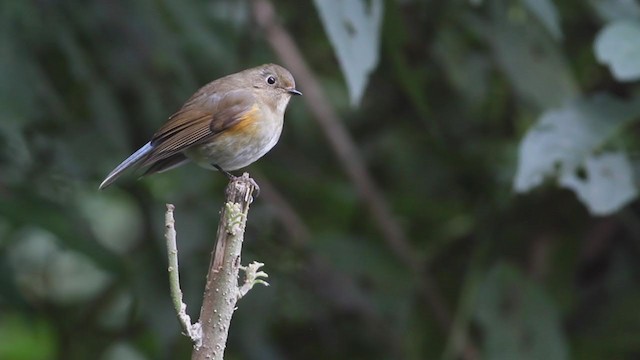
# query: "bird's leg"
{"points": [[228, 174], [233, 177]]}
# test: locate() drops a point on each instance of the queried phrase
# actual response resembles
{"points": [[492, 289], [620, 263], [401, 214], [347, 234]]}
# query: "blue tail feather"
{"points": [[130, 161]]}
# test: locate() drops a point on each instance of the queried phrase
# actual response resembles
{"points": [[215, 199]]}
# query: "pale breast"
{"points": [[235, 149]]}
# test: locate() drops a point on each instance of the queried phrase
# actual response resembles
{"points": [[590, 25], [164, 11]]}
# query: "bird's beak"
{"points": [[293, 91]]}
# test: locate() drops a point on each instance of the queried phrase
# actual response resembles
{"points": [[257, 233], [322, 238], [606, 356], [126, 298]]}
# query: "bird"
{"points": [[226, 125]]}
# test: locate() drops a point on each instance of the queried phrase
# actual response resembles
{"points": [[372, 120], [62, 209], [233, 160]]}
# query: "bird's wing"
{"points": [[201, 118]]}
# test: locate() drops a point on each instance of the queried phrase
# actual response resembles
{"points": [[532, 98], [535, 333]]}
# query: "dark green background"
{"points": [[83, 272]]}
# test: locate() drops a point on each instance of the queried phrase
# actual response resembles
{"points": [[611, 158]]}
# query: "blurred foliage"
{"points": [[468, 100], [354, 30]]}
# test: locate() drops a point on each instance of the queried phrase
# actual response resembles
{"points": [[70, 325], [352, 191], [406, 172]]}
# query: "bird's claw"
{"points": [[234, 178]]}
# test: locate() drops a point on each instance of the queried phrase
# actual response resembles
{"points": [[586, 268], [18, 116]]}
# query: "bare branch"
{"points": [[209, 334], [193, 331], [221, 290]]}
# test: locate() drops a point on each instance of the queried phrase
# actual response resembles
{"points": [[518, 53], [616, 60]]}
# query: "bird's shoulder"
{"points": [[219, 100]]}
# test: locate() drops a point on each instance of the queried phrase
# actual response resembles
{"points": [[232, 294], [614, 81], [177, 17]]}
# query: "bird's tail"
{"points": [[132, 160]]}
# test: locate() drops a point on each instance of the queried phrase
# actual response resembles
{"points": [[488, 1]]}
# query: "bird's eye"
{"points": [[271, 80]]}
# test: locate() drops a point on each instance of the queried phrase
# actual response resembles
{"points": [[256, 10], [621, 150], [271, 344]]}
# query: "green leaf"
{"points": [[607, 184], [25, 338], [45, 270], [353, 28], [612, 10], [546, 12], [467, 69], [533, 63], [122, 351], [517, 318], [565, 140], [618, 45], [117, 311], [114, 218], [15, 155]]}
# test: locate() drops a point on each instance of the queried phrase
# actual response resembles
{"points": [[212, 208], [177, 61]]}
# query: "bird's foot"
{"points": [[225, 172], [233, 177]]}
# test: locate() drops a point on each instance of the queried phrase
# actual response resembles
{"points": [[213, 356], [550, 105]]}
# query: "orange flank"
{"points": [[247, 121]]}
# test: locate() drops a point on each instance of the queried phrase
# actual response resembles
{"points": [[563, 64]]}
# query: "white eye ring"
{"points": [[271, 80]]}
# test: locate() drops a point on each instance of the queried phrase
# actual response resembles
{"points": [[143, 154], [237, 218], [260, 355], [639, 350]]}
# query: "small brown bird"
{"points": [[226, 125]]}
